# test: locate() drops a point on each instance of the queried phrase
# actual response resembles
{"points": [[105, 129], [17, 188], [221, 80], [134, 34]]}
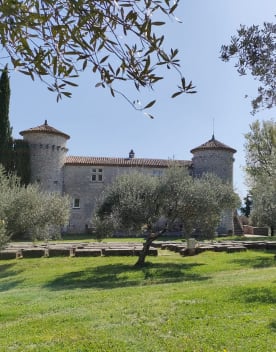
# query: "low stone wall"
{"points": [[73, 250], [257, 231], [9, 254], [33, 252], [129, 249]]}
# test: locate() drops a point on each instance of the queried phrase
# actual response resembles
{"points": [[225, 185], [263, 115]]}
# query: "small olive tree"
{"points": [[260, 149], [9, 186], [27, 210], [36, 214], [3, 234], [264, 203], [139, 201]]}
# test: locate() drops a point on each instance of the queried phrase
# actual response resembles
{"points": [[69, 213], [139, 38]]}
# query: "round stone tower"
{"points": [[217, 158], [214, 157], [47, 156]]}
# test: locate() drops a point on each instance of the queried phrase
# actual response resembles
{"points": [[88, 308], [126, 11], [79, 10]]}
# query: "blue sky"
{"points": [[100, 125]]}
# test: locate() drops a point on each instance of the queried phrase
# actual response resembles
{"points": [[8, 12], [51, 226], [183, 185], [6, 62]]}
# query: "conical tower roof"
{"points": [[213, 144], [45, 128]]}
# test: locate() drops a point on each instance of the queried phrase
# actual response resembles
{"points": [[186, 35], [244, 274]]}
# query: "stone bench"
{"points": [[236, 249], [60, 252], [9, 254], [170, 246], [118, 252], [255, 245], [201, 249], [220, 248], [271, 245], [152, 251], [87, 252], [33, 252]]}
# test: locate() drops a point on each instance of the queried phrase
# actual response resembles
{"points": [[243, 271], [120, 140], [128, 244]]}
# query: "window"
{"points": [[97, 175], [157, 173], [76, 203]]}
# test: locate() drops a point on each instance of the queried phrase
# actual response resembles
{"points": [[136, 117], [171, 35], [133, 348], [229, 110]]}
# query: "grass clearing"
{"points": [[210, 302]]}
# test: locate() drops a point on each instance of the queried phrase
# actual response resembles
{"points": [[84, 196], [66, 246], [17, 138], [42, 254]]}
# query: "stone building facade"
{"points": [[84, 178]]}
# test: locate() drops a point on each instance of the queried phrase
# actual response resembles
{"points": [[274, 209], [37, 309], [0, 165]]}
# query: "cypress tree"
{"points": [[6, 143], [21, 160], [14, 154]]}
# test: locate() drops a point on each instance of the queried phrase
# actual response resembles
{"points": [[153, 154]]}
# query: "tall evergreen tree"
{"points": [[246, 209], [5, 129], [21, 160]]}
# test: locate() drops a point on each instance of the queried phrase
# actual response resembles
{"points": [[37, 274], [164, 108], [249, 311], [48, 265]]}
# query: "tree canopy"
{"points": [[260, 149], [29, 211], [254, 47], [140, 202], [118, 41], [261, 170], [264, 203]]}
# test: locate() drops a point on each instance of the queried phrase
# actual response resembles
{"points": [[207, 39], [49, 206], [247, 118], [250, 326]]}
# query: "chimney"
{"points": [[131, 154]]}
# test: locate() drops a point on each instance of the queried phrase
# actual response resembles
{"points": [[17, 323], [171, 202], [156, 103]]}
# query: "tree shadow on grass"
{"points": [[122, 275], [260, 295], [256, 262], [5, 270], [272, 326], [6, 280]]}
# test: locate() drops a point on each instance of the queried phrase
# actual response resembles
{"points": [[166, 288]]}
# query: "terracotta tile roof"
{"points": [[45, 128], [213, 144], [132, 162]]}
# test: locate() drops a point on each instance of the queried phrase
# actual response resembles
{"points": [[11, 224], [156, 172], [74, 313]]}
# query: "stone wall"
{"points": [[257, 231], [79, 185], [218, 162]]}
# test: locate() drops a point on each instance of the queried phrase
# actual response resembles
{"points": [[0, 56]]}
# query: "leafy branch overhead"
{"points": [[56, 40], [255, 50]]}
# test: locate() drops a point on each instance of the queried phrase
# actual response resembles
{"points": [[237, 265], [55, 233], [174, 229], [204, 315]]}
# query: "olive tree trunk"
{"points": [[146, 246]]}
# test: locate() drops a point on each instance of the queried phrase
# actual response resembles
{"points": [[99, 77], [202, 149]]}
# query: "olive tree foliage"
{"points": [[198, 203], [3, 235], [140, 202], [119, 41], [208, 199], [37, 214], [264, 203], [29, 211], [8, 187], [260, 147], [254, 49], [261, 170], [132, 202]]}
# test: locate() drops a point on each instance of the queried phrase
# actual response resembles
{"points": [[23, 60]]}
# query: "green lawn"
{"points": [[209, 302]]}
